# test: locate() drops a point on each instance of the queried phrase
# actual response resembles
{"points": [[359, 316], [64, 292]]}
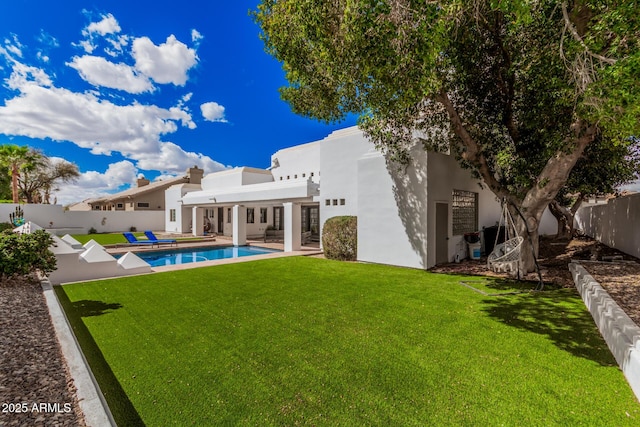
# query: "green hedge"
{"points": [[6, 226], [26, 254], [340, 238]]}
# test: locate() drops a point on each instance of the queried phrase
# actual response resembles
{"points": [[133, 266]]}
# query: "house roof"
{"points": [[262, 192], [138, 191]]}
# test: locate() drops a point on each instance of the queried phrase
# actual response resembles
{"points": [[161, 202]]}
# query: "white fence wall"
{"points": [[616, 224], [62, 222]]}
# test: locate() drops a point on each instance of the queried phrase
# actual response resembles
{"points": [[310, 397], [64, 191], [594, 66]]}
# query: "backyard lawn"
{"points": [[305, 341]]}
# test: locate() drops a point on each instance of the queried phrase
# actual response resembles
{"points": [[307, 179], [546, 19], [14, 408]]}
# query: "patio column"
{"points": [[292, 227], [239, 225], [197, 221]]}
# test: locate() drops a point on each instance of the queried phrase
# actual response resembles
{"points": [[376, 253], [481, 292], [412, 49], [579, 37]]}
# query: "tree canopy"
{"points": [[33, 176], [515, 89]]}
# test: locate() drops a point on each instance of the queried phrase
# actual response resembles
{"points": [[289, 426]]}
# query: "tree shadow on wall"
{"points": [[558, 315], [410, 193]]}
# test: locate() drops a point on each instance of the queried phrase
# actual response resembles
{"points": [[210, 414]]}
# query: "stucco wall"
{"points": [[339, 154], [82, 221], [298, 162], [392, 215], [615, 224]]}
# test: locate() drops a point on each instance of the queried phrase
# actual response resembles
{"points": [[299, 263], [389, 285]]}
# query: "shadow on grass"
{"points": [[121, 407], [88, 308], [559, 315], [490, 286]]}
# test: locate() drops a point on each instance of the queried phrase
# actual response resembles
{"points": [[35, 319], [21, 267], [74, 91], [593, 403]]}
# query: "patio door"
{"points": [[220, 229], [442, 233], [278, 217]]}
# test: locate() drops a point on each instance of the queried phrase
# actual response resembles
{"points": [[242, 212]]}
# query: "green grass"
{"points": [[106, 238], [302, 341]]}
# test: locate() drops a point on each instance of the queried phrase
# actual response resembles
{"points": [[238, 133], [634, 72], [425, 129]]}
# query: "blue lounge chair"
{"points": [[152, 237], [133, 241]]}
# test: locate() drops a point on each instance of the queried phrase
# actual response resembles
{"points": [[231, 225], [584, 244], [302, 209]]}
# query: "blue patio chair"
{"points": [[152, 237], [133, 241]]}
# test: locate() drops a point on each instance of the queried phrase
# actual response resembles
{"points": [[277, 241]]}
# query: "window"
{"points": [[342, 202], [280, 178], [250, 215], [464, 211], [172, 215], [96, 208], [228, 215], [263, 215], [295, 176], [304, 175], [143, 204], [120, 205], [335, 202], [311, 173], [327, 202]]}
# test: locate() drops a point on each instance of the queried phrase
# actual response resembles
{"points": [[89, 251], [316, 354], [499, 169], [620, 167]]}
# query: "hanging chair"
{"points": [[505, 257]]}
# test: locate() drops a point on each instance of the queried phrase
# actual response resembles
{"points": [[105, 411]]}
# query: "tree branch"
{"points": [[572, 29], [472, 152]]}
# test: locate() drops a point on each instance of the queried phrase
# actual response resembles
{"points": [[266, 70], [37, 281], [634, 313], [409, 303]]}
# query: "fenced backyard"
{"points": [[303, 341]]}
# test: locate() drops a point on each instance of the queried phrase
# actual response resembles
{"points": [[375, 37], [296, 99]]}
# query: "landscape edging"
{"points": [[621, 333], [90, 399]]}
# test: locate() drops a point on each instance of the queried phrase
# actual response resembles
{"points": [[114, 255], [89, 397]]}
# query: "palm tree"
{"points": [[15, 158]]}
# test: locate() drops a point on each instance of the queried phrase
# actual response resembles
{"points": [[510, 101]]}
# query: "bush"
{"points": [[6, 226], [133, 229], [340, 238], [26, 254], [93, 231]]}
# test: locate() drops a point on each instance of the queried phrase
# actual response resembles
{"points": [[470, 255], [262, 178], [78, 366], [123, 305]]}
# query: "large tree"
{"points": [[40, 178], [515, 89]]}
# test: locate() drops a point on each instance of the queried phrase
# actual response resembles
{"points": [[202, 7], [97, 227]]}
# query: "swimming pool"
{"points": [[189, 255]]}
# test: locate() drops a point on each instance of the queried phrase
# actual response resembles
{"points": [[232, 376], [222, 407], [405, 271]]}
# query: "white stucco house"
{"points": [[413, 217]]}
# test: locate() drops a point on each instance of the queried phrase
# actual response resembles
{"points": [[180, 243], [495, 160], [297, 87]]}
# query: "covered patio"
{"points": [[248, 211]]}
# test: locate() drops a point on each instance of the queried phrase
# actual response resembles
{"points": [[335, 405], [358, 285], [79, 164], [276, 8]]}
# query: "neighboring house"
{"points": [[413, 216], [147, 196]]}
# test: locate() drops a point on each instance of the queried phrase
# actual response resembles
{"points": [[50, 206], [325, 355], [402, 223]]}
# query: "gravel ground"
{"points": [[35, 386]]}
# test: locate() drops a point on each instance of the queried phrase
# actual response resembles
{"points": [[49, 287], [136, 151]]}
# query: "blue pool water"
{"points": [[185, 256]]}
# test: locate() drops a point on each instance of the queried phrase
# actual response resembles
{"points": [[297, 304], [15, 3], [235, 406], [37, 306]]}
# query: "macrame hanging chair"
{"points": [[505, 257]]}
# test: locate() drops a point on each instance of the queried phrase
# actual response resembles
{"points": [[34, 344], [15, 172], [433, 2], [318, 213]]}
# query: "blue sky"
{"points": [[142, 87]]}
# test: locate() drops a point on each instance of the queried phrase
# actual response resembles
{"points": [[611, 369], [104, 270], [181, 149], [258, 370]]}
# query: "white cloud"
{"points": [[174, 159], [92, 184], [166, 63], [634, 186], [213, 112], [100, 72], [108, 25], [41, 110], [196, 36], [13, 46]]}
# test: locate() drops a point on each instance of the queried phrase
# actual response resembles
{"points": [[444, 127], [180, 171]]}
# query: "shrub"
{"points": [[26, 254], [93, 231], [340, 238], [133, 229], [6, 226]]}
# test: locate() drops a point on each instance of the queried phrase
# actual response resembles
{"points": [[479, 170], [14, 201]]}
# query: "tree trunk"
{"points": [[15, 173], [565, 220], [527, 220]]}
